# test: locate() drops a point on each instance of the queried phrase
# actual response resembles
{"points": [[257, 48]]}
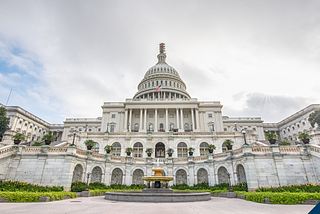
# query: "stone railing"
{"points": [[57, 150], [237, 151], [98, 155], [263, 149], [200, 158], [118, 158], [177, 160], [138, 160], [34, 149], [220, 155], [81, 152], [289, 149], [6, 149], [315, 149]]}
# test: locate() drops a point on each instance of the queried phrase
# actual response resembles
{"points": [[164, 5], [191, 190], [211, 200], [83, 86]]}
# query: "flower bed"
{"points": [[34, 196]]}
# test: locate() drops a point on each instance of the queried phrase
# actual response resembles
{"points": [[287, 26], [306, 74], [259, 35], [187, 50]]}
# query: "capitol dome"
{"points": [[172, 86]]}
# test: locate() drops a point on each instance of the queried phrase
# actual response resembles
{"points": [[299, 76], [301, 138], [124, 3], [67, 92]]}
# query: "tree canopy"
{"points": [[314, 118], [4, 121]]}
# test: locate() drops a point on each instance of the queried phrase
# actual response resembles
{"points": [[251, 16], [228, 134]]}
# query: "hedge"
{"points": [[34, 196]]}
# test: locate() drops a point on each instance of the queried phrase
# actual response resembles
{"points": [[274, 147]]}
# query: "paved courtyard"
{"points": [[99, 205]]}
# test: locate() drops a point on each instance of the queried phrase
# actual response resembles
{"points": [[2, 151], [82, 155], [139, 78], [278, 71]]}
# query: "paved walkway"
{"points": [[99, 205]]}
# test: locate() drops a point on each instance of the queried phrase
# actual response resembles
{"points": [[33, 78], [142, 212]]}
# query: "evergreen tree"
{"points": [[314, 118], [4, 121]]}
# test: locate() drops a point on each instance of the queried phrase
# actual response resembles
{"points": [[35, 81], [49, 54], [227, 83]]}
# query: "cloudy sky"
{"points": [[65, 58]]}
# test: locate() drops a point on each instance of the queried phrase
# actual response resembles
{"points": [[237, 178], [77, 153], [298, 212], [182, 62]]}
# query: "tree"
{"points": [[4, 121], [314, 118]]}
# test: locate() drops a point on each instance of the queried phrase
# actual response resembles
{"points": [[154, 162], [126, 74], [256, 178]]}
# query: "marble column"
{"points": [[145, 120], [167, 121], [155, 120], [125, 120], [140, 125], [192, 118], [181, 118], [130, 120], [177, 113], [197, 119]]}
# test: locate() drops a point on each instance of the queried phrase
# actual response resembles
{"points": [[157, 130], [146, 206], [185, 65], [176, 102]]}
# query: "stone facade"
{"points": [[162, 119]]}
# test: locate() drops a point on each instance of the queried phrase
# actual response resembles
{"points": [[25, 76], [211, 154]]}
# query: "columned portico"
{"points": [[197, 120], [181, 118], [177, 113], [125, 120], [167, 121], [192, 118], [140, 125], [156, 120], [130, 120], [145, 120]]}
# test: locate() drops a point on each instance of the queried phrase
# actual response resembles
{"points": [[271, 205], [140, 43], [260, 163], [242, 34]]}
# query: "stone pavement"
{"points": [[99, 205]]}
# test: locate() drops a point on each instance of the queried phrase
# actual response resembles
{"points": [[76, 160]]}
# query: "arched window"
{"points": [[204, 149], [95, 148], [186, 127], [211, 126], [171, 126], [116, 149], [160, 150], [161, 127], [137, 150], [182, 150], [136, 127], [224, 148], [150, 127]]}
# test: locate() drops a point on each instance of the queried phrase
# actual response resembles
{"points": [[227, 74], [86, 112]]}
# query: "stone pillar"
{"points": [[140, 125], [125, 120], [181, 118], [177, 113], [155, 120], [145, 120], [192, 118], [197, 120], [130, 119], [191, 174], [251, 173], [167, 121]]}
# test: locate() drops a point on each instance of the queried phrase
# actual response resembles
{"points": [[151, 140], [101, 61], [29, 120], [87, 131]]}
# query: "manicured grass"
{"points": [[34, 196]]}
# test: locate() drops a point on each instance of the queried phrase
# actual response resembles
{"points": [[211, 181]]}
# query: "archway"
{"points": [[241, 174], [202, 176], [77, 173], [160, 150], [116, 177], [137, 177], [181, 177], [96, 174], [222, 175]]}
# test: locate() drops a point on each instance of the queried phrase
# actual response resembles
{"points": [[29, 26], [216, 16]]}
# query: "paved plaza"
{"points": [[99, 205]]}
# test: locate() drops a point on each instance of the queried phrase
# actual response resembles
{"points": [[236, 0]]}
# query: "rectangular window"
{"points": [[253, 129], [137, 115], [225, 129], [112, 128], [210, 115], [99, 130], [185, 115], [80, 130], [150, 115], [161, 115], [113, 116], [171, 115]]}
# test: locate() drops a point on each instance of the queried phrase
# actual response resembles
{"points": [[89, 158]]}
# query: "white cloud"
{"points": [[87, 52]]}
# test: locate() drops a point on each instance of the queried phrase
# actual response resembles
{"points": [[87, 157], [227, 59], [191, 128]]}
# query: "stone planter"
{"points": [[210, 151], [47, 142], [16, 142], [190, 153], [108, 152], [229, 147], [306, 141], [170, 155], [272, 141], [149, 154], [128, 153], [89, 147]]}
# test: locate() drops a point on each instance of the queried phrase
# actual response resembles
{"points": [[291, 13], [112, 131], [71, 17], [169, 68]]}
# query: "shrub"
{"points": [[305, 187], [284, 143], [34, 196], [37, 144], [205, 186]]}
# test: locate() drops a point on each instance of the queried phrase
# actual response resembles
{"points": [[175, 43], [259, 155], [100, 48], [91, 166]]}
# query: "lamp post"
{"points": [[88, 176], [235, 127], [244, 137], [86, 126], [230, 187], [74, 136]]}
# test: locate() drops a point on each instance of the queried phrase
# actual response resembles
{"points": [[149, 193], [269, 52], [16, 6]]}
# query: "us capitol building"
{"points": [[161, 115]]}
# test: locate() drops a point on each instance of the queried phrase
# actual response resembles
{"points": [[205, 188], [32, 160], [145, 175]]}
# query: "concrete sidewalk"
{"points": [[99, 205]]}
